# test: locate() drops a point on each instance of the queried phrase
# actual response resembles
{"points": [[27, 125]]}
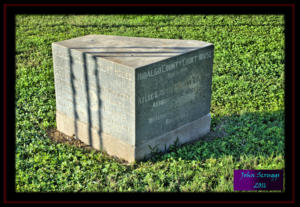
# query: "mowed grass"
{"points": [[247, 106]]}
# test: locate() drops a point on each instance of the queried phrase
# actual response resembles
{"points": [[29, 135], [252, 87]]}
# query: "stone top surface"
{"points": [[133, 52]]}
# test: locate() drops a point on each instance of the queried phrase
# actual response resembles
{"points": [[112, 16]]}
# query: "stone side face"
{"points": [[172, 93], [96, 92]]}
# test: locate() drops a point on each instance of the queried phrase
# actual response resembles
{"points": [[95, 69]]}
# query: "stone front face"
{"points": [[90, 90], [132, 92]]}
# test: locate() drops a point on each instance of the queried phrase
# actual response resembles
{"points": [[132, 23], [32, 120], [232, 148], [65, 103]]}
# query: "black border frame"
{"points": [[10, 196]]}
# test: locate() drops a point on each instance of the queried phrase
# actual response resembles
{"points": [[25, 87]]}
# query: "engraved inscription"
{"points": [[109, 97], [179, 101], [176, 119], [115, 70], [191, 83], [155, 95], [170, 67], [173, 94], [182, 100], [160, 102], [157, 117]]}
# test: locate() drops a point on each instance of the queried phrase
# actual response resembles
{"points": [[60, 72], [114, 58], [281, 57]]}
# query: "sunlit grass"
{"points": [[247, 105]]}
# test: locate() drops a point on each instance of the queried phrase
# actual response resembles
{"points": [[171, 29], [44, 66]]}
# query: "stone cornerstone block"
{"points": [[124, 94]]}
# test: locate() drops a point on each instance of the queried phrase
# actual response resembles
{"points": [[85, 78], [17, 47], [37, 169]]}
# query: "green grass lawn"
{"points": [[247, 106]]}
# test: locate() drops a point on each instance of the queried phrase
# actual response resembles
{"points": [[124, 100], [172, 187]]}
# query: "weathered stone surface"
{"points": [[134, 91], [98, 139]]}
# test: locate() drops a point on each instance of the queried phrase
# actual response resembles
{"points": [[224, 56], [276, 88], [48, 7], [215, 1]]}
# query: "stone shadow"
{"points": [[145, 52], [86, 87], [72, 82]]}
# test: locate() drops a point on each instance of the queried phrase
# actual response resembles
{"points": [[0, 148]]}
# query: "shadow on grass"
{"points": [[249, 134]]}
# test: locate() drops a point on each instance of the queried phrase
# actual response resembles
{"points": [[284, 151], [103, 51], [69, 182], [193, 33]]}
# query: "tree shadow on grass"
{"points": [[249, 134]]}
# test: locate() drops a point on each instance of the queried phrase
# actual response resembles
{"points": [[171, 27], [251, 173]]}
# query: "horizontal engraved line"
{"points": [[155, 95], [157, 117], [171, 66], [192, 83], [160, 102], [181, 100]]}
